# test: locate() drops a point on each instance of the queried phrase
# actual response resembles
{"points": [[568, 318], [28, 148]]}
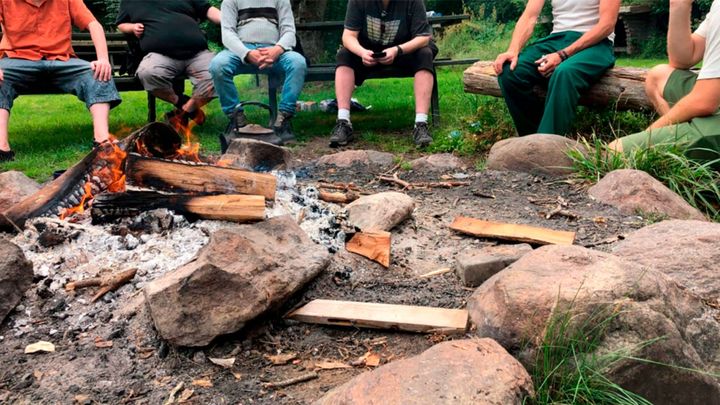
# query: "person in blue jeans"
{"points": [[259, 37]]}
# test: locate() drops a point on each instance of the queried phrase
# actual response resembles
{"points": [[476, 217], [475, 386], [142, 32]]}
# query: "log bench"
{"points": [[623, 88], [325, 72]]}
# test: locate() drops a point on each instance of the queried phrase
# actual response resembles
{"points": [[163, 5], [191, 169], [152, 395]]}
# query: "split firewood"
{"points": [[373, 245], [337, 186], [339, 198], [513, 232], [292, 381], [106, 283]]}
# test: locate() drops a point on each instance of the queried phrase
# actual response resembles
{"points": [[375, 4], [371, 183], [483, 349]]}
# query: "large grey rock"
{"points": [[16, 274], [474, 266], [15, 187], [515, 306], [634, 191], [687, 251], [476, 371], [539, 154], [350, 158], [257, 156], [381, 211], [441, 162], [241, 274]]}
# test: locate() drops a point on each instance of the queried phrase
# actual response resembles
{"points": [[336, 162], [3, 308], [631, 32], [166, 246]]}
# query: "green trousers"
{"points": [[572, 77]]}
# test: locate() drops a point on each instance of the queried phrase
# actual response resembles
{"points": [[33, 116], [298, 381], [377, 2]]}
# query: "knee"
{"points": [[656, 79], [508, 77], [425, 54], [220, 65], [296, 63]]}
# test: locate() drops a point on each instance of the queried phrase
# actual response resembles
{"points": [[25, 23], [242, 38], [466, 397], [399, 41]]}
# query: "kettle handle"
{"points": [[262, 105]]}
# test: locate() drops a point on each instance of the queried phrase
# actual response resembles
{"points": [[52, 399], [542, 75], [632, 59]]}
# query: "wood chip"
{"points": [[330, 365], [40, 347], [185, 395], [103, 344], [238, 376], [173, 393], [436, 272], [225, 363], [202, 382], [281, 359], [373, 245]]}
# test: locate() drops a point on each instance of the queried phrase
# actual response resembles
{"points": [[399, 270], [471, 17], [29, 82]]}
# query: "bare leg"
{"points": [[616, 146], [4, 120], [345, 85], [100, 113], [195, 103], [166, 95], [655, 83], [423, 91]]}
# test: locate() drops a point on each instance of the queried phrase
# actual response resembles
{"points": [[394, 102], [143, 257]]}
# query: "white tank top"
{"points": [[576, 15]]}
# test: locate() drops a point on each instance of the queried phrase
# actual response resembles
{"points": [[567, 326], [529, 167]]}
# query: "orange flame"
{"points": [[190, 150], [80, 208], [111, 174]]}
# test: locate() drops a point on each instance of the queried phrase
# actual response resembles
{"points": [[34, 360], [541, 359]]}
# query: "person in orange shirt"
{"points": [[36, 46]]}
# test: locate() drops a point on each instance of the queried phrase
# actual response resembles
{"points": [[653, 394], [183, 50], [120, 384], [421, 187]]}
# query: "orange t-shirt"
{"points": [[37, 29]]}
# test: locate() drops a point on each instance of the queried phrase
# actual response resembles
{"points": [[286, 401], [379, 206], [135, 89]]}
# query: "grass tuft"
{"points": [[696, 182]]}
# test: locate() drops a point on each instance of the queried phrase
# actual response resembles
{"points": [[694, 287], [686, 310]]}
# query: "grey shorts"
{"points": [[157, 73], [72, 76]]}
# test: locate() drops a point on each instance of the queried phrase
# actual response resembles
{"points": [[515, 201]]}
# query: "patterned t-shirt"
{"points": [[382, 28]]}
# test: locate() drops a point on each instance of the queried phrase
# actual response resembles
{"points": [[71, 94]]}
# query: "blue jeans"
{"points": [[226, 65], [72, 76]]}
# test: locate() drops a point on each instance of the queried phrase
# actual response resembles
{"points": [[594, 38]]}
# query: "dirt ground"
{"points": [[140, 368]]}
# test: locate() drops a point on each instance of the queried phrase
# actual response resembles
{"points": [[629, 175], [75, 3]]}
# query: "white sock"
{"points": [[344, 114], [421, 118]]}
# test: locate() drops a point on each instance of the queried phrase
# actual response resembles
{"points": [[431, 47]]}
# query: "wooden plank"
{"points": [[173, 176], [373, 245], [383, 316], [513, 232], [621, 88]]}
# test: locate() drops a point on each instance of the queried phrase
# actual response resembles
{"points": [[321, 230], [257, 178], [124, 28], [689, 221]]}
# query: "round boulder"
{"points": [[476, 371], [539, 154], [350, 158]]}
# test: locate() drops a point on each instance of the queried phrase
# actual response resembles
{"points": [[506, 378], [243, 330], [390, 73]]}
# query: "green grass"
{"points": [[698, 183], [569, 368]]}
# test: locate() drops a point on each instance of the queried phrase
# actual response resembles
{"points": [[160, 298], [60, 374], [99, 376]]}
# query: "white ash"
{"points": [[320, 220]]}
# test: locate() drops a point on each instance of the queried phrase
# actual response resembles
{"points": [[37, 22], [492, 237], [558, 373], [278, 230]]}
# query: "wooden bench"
{"points": [[326, 71], [119, 56], [621, 87]]}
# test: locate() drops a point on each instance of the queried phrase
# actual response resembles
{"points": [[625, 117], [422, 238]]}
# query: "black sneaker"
{"points": [[7, 156], [283, 127], [342, 134], [421, 135]]}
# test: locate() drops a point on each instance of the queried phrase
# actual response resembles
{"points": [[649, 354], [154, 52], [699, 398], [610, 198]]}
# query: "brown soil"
{"points": [[141, 368]]}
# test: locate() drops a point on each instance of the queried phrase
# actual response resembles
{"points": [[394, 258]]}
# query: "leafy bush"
{"points": [[502, 10]]}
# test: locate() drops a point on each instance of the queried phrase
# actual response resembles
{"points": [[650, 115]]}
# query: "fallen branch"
{"points": [[559, 211], [339, 198], [292, 381], [436, 272], [409, 186], [106, 283], [337, 186]]}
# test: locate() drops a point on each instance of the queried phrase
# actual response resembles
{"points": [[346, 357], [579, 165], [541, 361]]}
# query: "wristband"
{"points": [[400, 51], [563, 55]]}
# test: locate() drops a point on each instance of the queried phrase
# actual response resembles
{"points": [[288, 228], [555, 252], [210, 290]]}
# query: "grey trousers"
{"points": [[156, 73]]}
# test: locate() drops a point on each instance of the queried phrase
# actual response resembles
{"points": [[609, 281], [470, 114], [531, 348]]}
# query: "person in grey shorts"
{"points": [[174, 45], [33, 52]]}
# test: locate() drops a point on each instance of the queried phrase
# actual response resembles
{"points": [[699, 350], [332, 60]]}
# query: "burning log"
{"points": [[229, 207], [175, 176]]}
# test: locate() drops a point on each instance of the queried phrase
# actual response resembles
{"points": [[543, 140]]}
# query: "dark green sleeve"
{"points": [[419, 25]]}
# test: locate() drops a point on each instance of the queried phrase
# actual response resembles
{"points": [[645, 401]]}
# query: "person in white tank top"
{"points": [[688, 102], [568, 61]]}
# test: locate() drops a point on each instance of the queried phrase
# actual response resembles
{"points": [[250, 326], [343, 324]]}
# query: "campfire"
{"points": [[151, 168]]}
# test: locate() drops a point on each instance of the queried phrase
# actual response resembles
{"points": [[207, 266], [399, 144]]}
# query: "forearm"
{"points": [[415, 44], [213, 15], [352, 44], [591, 38], [680, 46], [522, 33], [691, 106], [97, 34], [126, 28]]}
